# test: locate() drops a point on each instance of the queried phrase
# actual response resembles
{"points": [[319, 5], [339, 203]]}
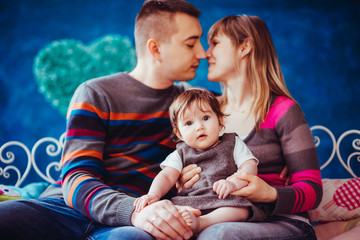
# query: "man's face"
{"points": [[181, 55]]}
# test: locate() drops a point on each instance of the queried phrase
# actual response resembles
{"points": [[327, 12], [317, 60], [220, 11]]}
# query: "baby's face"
{"points": [[199, 127]]}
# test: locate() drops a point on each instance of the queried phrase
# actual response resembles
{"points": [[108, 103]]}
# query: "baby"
{"points": [[197, 121]]}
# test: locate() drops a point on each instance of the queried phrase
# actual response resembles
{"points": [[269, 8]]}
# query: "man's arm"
{"points": [[93, 139], [82, 162]]}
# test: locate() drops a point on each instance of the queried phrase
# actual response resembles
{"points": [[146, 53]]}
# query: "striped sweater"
{"points": [[117, 135], [287, 140]]}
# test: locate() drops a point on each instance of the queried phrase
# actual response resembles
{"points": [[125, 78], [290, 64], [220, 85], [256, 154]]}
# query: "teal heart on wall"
{"points": [[61, 66]]}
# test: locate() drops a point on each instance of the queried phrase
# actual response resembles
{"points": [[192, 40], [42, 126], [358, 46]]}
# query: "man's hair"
{"points": [[199, 96], [156, 20]]}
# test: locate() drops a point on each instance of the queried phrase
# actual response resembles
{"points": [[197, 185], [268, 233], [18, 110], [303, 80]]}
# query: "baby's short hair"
{"points": [[194, 95]]}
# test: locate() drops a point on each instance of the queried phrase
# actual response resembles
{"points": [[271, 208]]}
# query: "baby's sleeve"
{"points": [[242, 153], [173, 160]]}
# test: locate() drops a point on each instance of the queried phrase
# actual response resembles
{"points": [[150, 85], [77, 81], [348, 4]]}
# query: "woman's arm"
{"points": [[286, 139], [298, 150]]}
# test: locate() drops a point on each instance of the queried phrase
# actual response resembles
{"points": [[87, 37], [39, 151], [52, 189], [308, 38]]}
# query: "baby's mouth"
{"points": [[201, 136]]}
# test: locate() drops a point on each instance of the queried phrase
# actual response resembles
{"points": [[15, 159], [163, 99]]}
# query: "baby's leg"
{"points": [[223, 214], [191, 220]]}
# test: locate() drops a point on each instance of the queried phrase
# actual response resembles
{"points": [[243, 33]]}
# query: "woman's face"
{"points": [[221, 59]]}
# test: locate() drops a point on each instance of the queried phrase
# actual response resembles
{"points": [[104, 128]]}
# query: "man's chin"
{"points": [[188, 77]]}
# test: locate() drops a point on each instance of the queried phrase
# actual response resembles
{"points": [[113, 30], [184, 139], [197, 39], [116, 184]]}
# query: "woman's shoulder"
{"points": [[281, 101], [281, 106]]}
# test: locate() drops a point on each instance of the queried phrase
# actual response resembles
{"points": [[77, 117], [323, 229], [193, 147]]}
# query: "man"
{"points": [[117, 134]]}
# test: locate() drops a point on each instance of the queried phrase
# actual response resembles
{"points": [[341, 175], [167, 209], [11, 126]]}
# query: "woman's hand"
{"points": [[285, 174], [257, 190], [162, 220], [189, 175]]}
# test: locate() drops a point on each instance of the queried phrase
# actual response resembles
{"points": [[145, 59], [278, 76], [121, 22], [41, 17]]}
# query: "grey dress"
{"points": [[216, 163]]}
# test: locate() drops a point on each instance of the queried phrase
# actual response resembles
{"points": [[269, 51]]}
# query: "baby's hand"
{"points": [[223, 188], [145, 200]]}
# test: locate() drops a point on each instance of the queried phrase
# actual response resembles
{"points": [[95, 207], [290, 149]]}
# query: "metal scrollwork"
{"points": [[356, 154], [9, 159], [53, 149], [55, 146], [317, 142]]}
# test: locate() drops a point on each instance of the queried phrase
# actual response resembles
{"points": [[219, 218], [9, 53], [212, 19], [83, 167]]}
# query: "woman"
{"points": [[242, 58]]}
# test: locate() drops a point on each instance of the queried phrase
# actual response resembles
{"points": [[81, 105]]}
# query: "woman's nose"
{"points": [[208, 53]]}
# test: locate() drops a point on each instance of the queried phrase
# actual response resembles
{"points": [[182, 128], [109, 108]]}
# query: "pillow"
{"points": [[32, 190], [341, 200], [6, 193]]}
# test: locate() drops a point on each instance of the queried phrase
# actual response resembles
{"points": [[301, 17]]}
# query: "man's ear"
{"points": [[245, 48], [153, 47]]}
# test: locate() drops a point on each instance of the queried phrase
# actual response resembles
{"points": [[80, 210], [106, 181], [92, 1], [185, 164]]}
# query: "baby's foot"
{"points": [[191, 220]]}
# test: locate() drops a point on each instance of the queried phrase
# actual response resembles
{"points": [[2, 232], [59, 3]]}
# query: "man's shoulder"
{"points": [[106, 80], [105, 84]]}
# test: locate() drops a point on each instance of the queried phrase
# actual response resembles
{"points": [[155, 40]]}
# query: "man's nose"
{"points": [[200, 54]]}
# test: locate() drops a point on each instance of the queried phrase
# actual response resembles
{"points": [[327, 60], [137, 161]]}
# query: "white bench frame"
{"points": [[55, 146], [53, 149]]}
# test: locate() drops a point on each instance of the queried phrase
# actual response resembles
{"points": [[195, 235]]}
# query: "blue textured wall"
{"points": [[318, 43]]}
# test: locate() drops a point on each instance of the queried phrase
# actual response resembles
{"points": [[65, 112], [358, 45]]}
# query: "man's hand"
{"points": [[162, 220], [145, 200]]}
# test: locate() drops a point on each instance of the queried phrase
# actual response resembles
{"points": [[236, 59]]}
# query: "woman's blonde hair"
{"points": [[263, 69]]}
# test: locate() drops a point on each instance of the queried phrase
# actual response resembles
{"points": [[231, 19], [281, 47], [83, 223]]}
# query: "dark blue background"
{"points": [[317, 43]]}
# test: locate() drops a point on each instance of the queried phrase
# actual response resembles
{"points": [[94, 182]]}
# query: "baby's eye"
{"points": [[188, 123], [205, 118]]}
